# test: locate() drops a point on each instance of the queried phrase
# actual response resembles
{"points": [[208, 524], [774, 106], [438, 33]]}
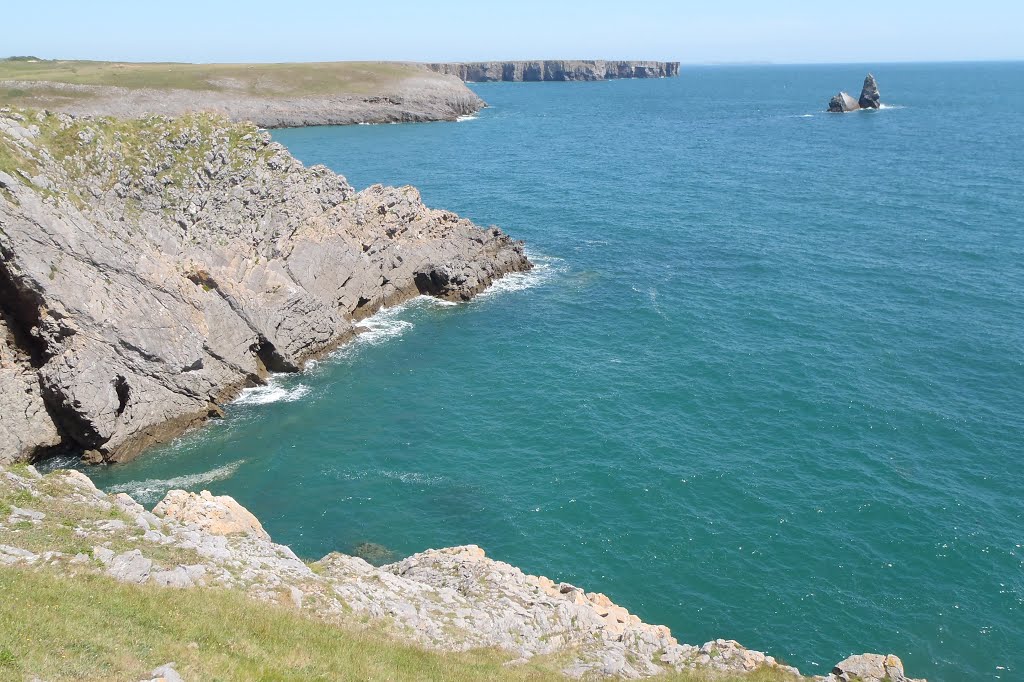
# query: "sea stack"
{"points": [[869, 98]]}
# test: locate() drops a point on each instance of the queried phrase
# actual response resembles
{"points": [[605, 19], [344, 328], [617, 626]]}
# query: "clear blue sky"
{"points": [[785, 31]]}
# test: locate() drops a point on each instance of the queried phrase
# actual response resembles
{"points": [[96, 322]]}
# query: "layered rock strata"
{"points": [[151, 268], [556, 70], [451, 599]]}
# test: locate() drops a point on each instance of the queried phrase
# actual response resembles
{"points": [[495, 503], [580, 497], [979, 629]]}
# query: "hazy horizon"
{"points": [[731, 33]]}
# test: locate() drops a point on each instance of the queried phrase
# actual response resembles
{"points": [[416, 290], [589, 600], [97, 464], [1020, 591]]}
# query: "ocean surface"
{"points": [[765, 383]]}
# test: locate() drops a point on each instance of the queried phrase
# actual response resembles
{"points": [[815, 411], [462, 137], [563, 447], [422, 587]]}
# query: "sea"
{"points": [[765, 382]]}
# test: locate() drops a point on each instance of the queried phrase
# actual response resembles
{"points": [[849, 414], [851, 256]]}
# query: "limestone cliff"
{"points": [[150, 268], [556, 70]]}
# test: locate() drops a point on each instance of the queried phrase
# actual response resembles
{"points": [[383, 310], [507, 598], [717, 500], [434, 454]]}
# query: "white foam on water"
{"points": [[412, 477], [467, 117], [273, 392], [544, 270], [152, 490]]}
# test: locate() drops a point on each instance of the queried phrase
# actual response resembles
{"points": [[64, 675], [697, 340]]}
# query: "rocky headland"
{"points": [[453, 599], [869, 98], [151, 268], [556, 70], [269, 95]]}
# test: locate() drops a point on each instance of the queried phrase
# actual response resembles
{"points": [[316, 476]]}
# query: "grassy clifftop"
{"points": [[262, 79], [271, 95]]}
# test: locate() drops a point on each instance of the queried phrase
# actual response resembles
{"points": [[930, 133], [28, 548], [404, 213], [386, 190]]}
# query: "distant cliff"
{"points": [[556, 70]]}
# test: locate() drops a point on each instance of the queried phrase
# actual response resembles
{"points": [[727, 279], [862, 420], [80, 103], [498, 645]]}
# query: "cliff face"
{"points": [[150, 268], [556, 70]]}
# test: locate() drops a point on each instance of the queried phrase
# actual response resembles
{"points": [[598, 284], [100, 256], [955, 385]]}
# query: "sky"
{"points": [[726, 31]]}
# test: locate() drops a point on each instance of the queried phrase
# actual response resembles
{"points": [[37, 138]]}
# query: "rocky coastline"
{"points": [[151, 268], [421, 97], [453, 599], [555, 70]]}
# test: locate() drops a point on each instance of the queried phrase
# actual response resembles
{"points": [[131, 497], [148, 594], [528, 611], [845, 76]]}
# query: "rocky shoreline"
{"points": [[555, 70], [151, 268], [453, 599]]}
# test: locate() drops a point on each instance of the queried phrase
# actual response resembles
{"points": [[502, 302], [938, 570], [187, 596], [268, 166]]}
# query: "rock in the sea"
{"points": [[843, 102], [168, 263], [869, 96]]}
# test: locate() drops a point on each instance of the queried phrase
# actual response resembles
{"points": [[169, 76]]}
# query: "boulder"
{"points": [[869, 97], [220, 515], [842, 103], [870, 668]]}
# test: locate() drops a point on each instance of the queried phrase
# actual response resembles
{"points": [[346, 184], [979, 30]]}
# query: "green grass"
{"points": [[283, 80], [89, 627]]}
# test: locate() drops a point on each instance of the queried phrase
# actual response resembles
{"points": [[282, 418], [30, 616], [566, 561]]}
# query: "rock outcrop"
{"points": [[842, 103], [869, 668], [869, 98], [420, 97], [451, 599], [151, 268], [556, 70]]}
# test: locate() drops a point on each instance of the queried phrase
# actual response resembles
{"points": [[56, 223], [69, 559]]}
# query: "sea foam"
{"points": [[152, 490], [273, 392]]}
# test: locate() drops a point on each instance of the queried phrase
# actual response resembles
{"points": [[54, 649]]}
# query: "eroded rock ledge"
{"points": [[556, 70], [451, 599], [150, 268]]}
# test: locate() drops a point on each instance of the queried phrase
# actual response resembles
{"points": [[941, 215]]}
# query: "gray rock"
{"points": [[556, 70], [103, 555], [166, 673], [842, 103], [130, 567], [869, 96], [176, 577], [18, 514], [136, 299]]}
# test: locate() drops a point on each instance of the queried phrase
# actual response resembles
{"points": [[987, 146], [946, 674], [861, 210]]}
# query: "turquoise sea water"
{"points": [[766, 382]]}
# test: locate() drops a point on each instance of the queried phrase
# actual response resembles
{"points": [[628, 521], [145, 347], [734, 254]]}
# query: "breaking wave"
{"points": [[544, 270], [273, 392]]}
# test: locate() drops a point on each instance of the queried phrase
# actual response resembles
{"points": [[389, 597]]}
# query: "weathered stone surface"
{"points": [[556, 70], [216, 515], [170, 262], [26, 429], [869, 96], [843, 102], [165, 673], [869, 668]]}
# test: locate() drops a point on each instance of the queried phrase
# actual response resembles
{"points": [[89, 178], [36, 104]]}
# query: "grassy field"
{"points": [[92, 628], [296, 79]]}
